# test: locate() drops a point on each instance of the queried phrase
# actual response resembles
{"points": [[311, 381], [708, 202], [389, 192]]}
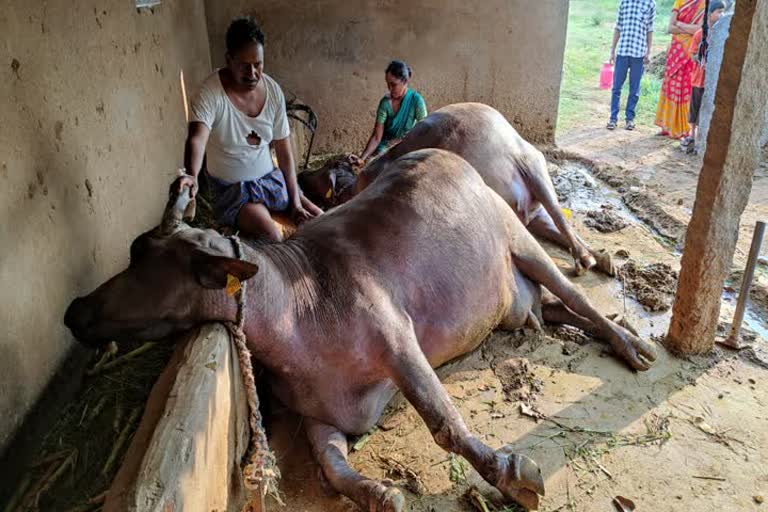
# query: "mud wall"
{"points": [[332, 54], [91, 129]]}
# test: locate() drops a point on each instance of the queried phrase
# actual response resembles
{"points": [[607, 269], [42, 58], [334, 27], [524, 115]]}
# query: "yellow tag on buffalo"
{"points": [[568, 213], [233, 285], [329, 193]]}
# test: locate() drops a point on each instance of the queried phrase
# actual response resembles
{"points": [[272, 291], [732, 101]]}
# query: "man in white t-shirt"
{"points": [[237, 114]]}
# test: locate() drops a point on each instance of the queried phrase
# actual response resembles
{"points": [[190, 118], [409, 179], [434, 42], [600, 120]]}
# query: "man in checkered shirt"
{"points": [[632, 41]]}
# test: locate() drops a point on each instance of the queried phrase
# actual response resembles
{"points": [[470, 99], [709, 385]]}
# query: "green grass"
{"points": [[588, 46]]}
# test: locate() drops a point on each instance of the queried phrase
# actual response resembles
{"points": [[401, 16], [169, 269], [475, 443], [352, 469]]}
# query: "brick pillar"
{"points": [[725, 180]]}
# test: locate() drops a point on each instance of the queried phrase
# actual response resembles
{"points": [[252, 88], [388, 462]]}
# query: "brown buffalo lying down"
{"points": [[362, 302], [508, 164]]}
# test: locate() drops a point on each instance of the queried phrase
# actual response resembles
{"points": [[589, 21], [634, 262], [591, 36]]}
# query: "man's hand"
{"points": [[612, 60], [300, 215], [355, 160], [647, 58], [187, 181]]}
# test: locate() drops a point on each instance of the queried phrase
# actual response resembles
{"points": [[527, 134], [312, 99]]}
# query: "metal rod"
{"points": [[746, 283]]}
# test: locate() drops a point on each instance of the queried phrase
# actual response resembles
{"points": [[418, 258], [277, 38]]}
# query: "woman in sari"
{"points": [[672, 110], [398, 111]]}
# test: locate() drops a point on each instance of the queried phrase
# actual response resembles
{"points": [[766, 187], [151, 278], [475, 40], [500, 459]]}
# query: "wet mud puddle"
{"points": [[651, 285]]}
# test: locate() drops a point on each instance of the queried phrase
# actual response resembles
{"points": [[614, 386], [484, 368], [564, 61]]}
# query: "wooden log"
{"points": [[187, 450]]}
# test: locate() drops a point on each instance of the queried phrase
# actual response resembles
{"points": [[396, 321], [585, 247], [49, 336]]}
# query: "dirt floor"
{"points": [[687, 435]]}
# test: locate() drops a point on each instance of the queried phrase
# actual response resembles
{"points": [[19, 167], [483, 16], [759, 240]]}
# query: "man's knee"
{"points": [[271, 231], [256, 220]]}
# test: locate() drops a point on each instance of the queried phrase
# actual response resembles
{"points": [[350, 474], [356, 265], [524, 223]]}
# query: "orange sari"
{"points": [[672, 110]]}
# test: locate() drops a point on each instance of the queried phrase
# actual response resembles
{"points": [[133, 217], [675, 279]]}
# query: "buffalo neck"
{"points": [[283, 289]]}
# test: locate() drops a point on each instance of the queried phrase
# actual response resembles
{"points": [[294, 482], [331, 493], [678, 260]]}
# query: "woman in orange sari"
{"points": [[672, 110]]}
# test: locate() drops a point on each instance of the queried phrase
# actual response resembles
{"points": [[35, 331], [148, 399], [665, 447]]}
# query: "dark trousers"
{"points": [[634, 66]]}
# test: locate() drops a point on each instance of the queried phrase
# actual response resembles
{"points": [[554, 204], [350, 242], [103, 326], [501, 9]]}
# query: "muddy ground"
{"points": [[662, 179]]}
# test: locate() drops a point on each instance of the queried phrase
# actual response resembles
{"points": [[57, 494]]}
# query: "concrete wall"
{"points": [[717, 38], [91, 128], [332, 54]]}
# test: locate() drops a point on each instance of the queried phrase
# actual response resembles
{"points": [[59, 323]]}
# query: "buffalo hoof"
{"points": [[519, 478], [583, 263], [605, 263], [637, 352], [384, 497]]}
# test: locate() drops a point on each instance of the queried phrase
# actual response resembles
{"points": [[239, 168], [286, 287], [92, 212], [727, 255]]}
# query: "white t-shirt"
{"points": [[238, 146]]}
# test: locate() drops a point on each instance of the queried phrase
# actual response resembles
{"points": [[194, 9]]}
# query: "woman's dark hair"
{"points": [[716, 5], [710, 6], [399, 70], [241, 32]]}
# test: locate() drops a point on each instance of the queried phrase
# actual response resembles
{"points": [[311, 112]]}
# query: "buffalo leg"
{"points": [[329, 446], [531, 259], [542, 226], [542, 189], [515, 475], [553, 311]]}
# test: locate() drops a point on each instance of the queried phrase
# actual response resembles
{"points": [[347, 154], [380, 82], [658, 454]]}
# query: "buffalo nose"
{"points": [[78, 316]]}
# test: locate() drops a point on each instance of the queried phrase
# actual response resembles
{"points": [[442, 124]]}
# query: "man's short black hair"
{"points": [[241, 32]]}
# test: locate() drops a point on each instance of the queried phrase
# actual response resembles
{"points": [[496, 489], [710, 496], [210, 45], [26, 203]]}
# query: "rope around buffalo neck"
{"points": [[260, 469]]}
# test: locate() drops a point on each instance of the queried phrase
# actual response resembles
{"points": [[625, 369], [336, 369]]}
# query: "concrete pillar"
{"points": [[725, 181], [718, 35]]}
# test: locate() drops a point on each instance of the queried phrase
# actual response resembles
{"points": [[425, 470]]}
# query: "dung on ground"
{"points": [[652, 285]]}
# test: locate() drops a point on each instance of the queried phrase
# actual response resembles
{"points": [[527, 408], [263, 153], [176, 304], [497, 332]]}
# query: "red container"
{"points": [[606, 76]]}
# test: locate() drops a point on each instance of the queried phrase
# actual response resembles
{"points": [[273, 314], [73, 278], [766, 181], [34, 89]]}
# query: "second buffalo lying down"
{"points": [[508, 164], [360, 303]]}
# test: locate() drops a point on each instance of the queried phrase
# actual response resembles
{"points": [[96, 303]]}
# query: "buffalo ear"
{"points": [[211, 271]]}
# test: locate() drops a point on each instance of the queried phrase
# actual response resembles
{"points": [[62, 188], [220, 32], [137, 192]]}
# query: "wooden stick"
{"points": [[20, 490], [106, 356], [608, 473], [122, 359], [118, 419], [92, 504], [48, 483], [715, 478], [97, 409], [27, 500], [746, 283], [53, 457], [121, 440], [98, 499]]}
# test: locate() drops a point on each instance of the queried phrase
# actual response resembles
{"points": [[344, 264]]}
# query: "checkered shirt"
{"points": [[634, 21]]}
